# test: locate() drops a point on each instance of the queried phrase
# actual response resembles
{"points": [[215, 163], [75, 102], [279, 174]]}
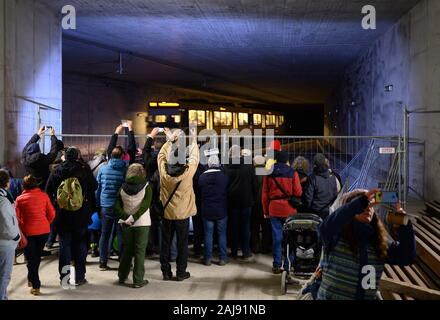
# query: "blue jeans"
{"points": [[109, 223], [209, 234], [6, 262], [277, 244], [241, 230], [73, 247]]}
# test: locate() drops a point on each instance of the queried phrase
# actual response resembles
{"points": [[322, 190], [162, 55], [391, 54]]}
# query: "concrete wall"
{"points": [[32, 69], [407, 57], [2, 81]]}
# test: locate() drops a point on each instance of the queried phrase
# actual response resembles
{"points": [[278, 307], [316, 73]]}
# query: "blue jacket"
{"points": [[110, 179], [213, 186], [342, 271]]}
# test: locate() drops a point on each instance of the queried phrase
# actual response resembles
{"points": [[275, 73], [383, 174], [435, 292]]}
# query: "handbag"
{"points": [[294, 201], [161, 208]]}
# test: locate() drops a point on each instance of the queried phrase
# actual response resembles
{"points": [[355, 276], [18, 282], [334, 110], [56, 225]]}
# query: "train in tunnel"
{"points": [[214, 116]]}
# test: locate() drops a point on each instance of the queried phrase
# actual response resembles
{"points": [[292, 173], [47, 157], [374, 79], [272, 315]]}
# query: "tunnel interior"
{"points": [[315, 62]]}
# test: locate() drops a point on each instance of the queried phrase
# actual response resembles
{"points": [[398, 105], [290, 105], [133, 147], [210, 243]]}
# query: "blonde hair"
{"points": [[136, 170], [301, 163]]}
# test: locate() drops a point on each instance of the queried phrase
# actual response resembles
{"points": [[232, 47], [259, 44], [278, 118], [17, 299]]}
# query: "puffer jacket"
{"points": [[35, 212], [183, 203], [274, 201], [134, 200], [37, 164], [110, 179], [9, 231], [66, 220]]}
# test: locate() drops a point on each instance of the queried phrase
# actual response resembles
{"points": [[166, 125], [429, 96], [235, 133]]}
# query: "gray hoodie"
{"points": [[9, 232]]}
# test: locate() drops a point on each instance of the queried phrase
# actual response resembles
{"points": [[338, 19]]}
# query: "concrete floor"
{"points": [[236, 281]]}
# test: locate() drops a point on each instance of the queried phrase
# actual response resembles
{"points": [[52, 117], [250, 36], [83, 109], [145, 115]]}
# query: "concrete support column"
{"points": [[2, 82]]}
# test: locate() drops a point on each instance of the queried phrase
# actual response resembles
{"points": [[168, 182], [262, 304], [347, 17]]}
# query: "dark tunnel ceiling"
{"points": [[279, 51]]}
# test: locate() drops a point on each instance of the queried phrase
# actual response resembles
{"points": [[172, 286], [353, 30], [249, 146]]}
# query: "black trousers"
{"points": [[198, 232], [33, 252], [181, 229], [261, 231]]}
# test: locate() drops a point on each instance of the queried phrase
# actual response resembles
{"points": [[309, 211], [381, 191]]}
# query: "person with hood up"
{"points": [[132, 206], [354, 237], [37, 163], [72, 226], [242, 191], [9, 234], [110, 179], [178, 198], [213, 185], [322, 190], [278, 188]]}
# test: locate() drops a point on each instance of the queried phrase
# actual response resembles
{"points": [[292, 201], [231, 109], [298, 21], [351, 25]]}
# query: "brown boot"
{"points": [[35, 292]]}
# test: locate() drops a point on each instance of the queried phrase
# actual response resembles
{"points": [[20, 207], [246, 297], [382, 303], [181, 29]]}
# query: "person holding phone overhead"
{"points": [[356, 246], [35, 162], [129, 155]]}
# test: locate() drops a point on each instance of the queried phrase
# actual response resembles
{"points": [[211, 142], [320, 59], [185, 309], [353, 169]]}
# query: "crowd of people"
{"points": [[148, 201]]}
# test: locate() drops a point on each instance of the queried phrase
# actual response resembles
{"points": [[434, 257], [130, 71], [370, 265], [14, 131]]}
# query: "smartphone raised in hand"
{"points": [[124, 123], [390, 197]]}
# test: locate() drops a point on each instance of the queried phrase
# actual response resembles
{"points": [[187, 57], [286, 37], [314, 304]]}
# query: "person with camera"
{"points": [[176, 171], [71, 188], [278, 190], [37, 163], [356, 248], [9, 234]]}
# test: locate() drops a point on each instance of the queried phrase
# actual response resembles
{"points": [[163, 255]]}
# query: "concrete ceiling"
{"points": [[276, 51]]}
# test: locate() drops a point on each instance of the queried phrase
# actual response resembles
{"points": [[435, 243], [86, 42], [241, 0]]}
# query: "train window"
{"points": [[197, 117], [270, 120], [160, 119], [243, 119], [257, 119], [222, 118], [281, 120], [177, 118]]}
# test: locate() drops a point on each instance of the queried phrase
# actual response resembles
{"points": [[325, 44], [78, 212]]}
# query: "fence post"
{"points": [[405, 155]]}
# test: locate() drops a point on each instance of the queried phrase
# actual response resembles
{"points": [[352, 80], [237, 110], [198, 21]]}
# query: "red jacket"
{"points": [[291, 184], [35, 212]]}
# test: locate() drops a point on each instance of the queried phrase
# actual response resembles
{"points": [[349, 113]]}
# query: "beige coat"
{"points": [[183, 203]]}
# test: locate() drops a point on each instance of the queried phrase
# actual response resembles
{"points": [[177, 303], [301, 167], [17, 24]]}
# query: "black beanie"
{"points": [[72, 154], [281, 157]]}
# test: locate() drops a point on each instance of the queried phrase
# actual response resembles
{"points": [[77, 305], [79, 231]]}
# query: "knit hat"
{"points": [[275, 145], [213, 162], [33, 148], [282, 157], [72, 154]]}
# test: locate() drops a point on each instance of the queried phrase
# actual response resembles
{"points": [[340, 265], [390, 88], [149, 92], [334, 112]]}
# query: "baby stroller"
{"points": [[300, 238]]}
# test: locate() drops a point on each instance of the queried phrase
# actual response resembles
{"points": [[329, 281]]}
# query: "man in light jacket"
{"points": [[177, 178], [9, 234]]}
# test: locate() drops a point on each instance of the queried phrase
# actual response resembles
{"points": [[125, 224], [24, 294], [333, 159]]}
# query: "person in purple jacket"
{"points": [[213, 185]]}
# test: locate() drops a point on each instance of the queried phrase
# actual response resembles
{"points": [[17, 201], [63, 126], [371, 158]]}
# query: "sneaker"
{"points": [[122, 281], [206, 262], [184, 276], [247, 257], [167, 276], [140, 285], [103, 266], [80, 283], [277, 270], [222, 262], [35, 292]]}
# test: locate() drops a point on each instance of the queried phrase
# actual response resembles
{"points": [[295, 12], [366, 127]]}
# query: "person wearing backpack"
{"points": [[133, 207], [35, 213], [71, 188], [9, 234], [110, 179], [178, 199], [278, 188]]}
